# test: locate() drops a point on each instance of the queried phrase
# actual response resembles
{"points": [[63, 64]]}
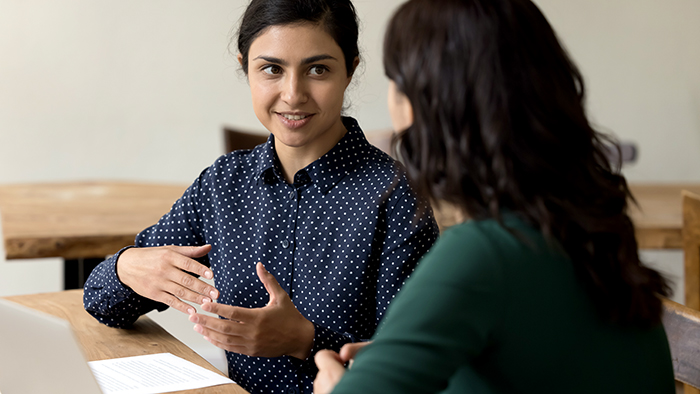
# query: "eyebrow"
{"points": [[308, 60]]}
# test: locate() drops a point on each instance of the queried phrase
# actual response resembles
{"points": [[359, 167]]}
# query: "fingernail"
{"points": [[208, 274], [205, 299], [213, 294], [198, 328], [191, 311]]}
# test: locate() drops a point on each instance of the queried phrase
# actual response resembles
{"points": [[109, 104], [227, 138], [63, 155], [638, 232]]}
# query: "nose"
{"points": [[295, 90]]}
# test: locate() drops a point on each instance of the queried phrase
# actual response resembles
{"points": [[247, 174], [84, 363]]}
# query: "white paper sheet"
{"points": [[152, 374]]}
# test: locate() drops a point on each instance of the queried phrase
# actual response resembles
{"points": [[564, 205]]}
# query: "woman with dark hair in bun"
{"points": [[541, 289], [308, 237]]}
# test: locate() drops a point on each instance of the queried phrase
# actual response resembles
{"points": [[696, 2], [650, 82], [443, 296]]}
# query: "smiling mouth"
{"points": [[294, 117]]}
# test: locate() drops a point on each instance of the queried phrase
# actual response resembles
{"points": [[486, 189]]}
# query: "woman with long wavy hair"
{"points": [[541, 289]]}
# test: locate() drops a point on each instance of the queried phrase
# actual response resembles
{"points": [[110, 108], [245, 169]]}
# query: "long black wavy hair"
{"points": [[499, 124]]}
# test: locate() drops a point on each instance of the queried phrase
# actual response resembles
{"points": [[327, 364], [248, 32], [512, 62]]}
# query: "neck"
{"points": [[293, 158]]}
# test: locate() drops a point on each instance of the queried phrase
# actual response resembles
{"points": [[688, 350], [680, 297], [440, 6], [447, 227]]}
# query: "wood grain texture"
{"points": [[659, 218], [80, 219], [100, 342], [682, 325], [691, 248], [95, 219]]}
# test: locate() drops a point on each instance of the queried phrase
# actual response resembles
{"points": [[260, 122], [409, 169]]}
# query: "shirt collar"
{"points": [[265, 157], [328, 170]]}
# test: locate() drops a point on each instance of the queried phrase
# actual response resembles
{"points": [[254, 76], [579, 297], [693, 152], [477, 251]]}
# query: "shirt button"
{"points": [[292, 194], [285, 244], [292, 390]]}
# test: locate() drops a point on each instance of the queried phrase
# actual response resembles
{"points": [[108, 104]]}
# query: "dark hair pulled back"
{"points": [[337, 17], [499, 124]]}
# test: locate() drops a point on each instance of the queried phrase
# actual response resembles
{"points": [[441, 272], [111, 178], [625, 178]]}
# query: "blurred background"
{"points": [[139, 90]]}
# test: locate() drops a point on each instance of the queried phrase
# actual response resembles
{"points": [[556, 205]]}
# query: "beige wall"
{"points": [[138, 90], [641, 60]]}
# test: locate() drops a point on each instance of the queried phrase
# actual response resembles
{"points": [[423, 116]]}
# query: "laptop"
{"points": [[39, 353]]}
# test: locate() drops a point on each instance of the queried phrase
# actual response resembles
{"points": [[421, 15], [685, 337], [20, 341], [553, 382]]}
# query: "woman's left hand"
{"points": [[274, 330]]}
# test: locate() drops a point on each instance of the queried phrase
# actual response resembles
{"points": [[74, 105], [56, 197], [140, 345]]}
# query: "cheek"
{"points": [[332, 95], [262, 96]]}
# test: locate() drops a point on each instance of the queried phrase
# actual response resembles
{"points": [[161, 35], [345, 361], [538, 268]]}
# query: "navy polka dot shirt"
{"points": [[341, 241]]}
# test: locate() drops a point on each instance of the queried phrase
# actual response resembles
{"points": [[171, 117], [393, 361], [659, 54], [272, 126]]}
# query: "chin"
{"points": [[291, 141]]}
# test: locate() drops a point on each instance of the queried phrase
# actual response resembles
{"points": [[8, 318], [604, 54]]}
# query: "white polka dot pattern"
{"points": [[341, 241]]}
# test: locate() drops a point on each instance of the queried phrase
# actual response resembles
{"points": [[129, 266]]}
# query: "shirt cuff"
{"points": [[105, 291], [325, 338]]}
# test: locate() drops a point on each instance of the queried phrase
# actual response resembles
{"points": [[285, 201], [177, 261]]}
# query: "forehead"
{"points": [[295, 41]]}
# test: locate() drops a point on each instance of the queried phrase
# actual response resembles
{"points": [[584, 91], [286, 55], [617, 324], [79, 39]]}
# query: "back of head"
{"points": [[338, 17], [499, 124]]}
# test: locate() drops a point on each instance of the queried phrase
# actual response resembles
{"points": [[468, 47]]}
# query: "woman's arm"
{"points": [[139, 279]]}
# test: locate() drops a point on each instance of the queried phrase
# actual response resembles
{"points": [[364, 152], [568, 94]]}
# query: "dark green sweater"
{"points": [[486, 313]]}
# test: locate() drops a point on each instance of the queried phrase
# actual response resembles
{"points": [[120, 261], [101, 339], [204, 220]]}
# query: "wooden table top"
{"points": [[658, 220], [100, 342], [79, 219], [95, 219]]}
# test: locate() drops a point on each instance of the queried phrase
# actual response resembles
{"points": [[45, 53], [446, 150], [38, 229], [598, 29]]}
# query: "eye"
{"points": [[318, 69], [271, 69]]}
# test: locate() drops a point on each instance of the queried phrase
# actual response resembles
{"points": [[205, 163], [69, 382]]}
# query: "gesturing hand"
{"points": [[330, 370], [161, 274], [330, 366], [274, 330]]}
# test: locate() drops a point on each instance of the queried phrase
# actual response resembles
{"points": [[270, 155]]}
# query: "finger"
{"points": [[270, 282], [180, 276], [349, 350], [229, 340], [215, 325], [182, 293], [327, 359], [192, 251], [229, 346], [238, 314], [174, 302], [201, 290], [330, 371], [188, 264]]}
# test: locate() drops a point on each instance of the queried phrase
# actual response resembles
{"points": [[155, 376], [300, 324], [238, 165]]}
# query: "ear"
{"points": [[408, 109], [355, 63], [400, 108], [240, 59]]}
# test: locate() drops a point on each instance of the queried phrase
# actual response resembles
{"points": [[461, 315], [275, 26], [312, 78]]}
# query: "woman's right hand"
{"points": [[330, 366], [162, 274]]}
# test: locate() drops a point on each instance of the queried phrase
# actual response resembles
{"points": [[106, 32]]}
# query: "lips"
{"points": [[294, 120], [295, 117]]}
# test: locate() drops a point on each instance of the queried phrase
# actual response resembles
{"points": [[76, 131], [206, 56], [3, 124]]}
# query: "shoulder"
{"points": [[469, 241], [472, 251], [489, 246], [233, 167], [381, 166], [371, 166]]}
